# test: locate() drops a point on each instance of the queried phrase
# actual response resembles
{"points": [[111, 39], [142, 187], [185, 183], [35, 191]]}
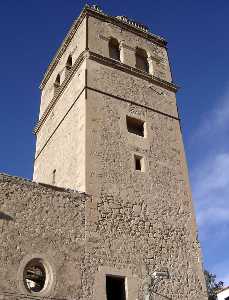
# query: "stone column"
{"points": [[151, 64], [127, 54]]}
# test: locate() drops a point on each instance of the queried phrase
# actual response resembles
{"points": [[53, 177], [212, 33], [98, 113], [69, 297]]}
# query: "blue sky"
{"points": [[197, 32]]}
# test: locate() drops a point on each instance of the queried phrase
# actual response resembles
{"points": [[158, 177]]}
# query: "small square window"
{"points": [[139, 163], [135, 126], [115, 287]]}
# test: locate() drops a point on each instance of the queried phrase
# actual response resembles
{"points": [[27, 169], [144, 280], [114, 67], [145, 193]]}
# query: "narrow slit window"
{"points": [[57, 81], [139, 163], [135, 126], [115, 288], [54, 176], [69, 63]]}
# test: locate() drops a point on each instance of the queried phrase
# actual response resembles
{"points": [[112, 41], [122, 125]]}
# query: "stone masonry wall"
{"points": [[100, 32], [38, 220], [137, 222], [60, 142], [146, 219]]}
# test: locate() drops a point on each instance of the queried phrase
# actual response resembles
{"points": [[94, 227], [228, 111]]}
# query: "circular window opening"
{"points": [[35, 275]]}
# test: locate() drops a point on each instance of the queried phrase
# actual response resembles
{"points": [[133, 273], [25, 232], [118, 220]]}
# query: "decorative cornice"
{"points": [[133, 71], [133, 23], [105, 61], [97, 13], [53, 102], [108, 62], [128, 25]]}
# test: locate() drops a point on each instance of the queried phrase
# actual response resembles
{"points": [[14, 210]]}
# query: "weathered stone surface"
{"points": [[44, 221], [134, 223], [84, 239]]}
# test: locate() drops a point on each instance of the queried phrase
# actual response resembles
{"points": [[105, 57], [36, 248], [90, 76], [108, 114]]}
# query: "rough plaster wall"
{"points": [[129, 87], [145, 220], [100, 31], [46, 221], [65, 151], [76, 46]]}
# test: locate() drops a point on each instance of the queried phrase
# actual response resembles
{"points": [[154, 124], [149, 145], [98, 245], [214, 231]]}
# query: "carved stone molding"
{"points": [[97, 13], [134, 71]]}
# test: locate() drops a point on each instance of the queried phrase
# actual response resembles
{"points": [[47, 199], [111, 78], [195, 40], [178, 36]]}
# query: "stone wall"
{"points": [[99, 33], [41, 221], [85, 239], [146, 219], [60, 142]]}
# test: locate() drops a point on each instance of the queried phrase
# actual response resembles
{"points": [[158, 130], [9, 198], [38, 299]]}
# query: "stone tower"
{"points": [[107, 101], [109, 126]]}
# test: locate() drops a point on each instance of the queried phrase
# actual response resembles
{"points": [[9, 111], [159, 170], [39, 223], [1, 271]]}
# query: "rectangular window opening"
{"points": [[115, 287], [139, 163], [135, 126]]}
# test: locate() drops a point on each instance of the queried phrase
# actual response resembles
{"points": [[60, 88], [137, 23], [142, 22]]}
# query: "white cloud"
{"points": [[211, 175], [210, 185], [210, 181], [214, 121]]}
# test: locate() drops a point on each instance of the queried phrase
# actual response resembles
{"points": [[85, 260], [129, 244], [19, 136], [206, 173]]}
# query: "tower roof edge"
{"points": [[95, 11]]}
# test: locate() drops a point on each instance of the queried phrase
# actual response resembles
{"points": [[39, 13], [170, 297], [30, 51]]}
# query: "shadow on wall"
{"points": [[6, 217]]}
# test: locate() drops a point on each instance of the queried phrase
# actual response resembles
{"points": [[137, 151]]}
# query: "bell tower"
{"points": [[108, 108], [109, 126]]}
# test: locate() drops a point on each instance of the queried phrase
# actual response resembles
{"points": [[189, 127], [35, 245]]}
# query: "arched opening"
{"points": [[141, 60], [114, 51], [69, 63], [57, 81]]}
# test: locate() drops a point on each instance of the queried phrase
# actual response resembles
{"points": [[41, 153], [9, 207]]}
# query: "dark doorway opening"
{"points": [[115, 287]]}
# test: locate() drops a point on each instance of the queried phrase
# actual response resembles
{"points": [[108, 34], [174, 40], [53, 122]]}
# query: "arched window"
{"points": [[114, 51], [69, 63], [57, 81], [141, 60]]}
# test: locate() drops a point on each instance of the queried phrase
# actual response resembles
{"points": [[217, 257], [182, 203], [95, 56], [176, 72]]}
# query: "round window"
{"points": [[35, 275]]}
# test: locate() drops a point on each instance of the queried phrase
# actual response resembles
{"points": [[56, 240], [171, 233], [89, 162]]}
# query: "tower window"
{"points": [[141, 60], [114, 51], [54, 176], [135, 126], [69, 63], [115, 288], [139, 163], [57, 81]]}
